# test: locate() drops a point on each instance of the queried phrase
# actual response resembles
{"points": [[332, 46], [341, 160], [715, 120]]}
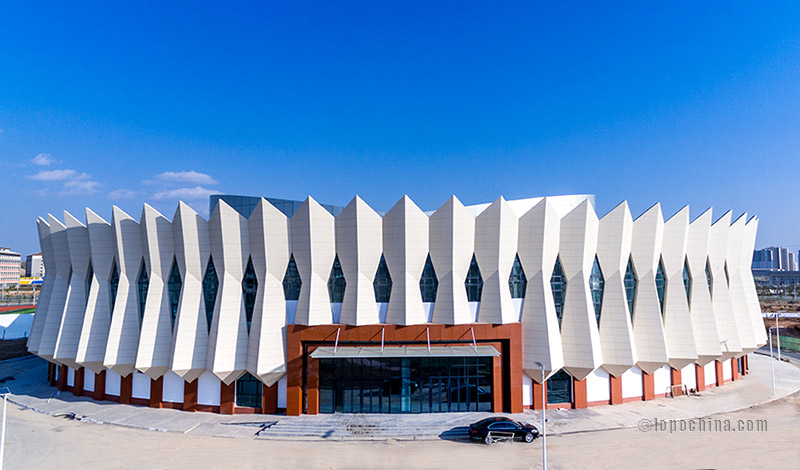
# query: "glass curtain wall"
{"points": [[405, 385]]}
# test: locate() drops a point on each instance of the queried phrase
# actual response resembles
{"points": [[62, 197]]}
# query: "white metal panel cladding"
{"points": [[613, 252], [538, 251], [69, 332], [77, 324], [192, 251], [648, 325], [704, 324], [677, 322], [97, 319]]}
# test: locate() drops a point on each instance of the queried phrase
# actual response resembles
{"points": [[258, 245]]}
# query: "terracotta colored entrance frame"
{"points": [[303, 340]]}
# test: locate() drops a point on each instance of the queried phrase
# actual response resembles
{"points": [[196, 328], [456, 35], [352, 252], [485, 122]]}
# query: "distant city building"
{"points": [[9, 268], [774, 258], [34, 266]]}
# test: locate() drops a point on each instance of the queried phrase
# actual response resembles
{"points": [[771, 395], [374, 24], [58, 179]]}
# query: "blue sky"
{"points": [[677, 103]]}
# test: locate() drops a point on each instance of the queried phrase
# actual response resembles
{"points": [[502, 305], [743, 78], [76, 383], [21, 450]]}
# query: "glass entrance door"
{"points": [[405, 385]]}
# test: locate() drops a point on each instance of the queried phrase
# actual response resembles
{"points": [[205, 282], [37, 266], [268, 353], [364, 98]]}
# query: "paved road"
{"points": [[36, 440]]}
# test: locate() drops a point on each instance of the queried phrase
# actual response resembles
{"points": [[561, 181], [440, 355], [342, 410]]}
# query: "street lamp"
{"points": [[4, 392], [544, 418]]}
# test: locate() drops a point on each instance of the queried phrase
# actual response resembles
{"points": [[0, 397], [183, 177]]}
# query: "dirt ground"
{"points": [[35, 440]]}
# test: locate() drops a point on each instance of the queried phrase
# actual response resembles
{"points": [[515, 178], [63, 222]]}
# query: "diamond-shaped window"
{"points": [[558, 284], [630, 286], [428, 283], [517, 281], [709, 278], [89, 280], [143, 284], [174, 285], [249, 289], [113, 284], [336, 282], [596, 287], [210, 287], [687, 280], [661, 284], [291, 281], [474, 281], [383, 282]]}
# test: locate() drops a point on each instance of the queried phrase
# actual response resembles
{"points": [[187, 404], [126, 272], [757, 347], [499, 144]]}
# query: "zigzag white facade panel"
{"points": [[452, 244], [720, 298], [227, 341], [155, 339], [405, 248], [192, 252], [359, 244], [677, 322], [239, 297], [704, 323], [577, 249], [97, 319], [733, 257], [269, 248], [496, 234], [123, 335], [613, 253], [314, 249], [539, 232], [648, 326]]}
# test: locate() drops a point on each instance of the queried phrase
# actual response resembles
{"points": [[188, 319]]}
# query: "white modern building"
{"points": [[273, 304], [9, 268], [34, 266]]}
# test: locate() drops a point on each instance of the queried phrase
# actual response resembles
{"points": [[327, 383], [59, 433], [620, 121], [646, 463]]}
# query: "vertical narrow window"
{"points": [[383, 282], [687, 280], [113, 284], [709, 278], [174, 286], [661, 284], [630, 286], [143, 284], [249, 289], [474, 281], [596, 287], [89, 280], [291, 281], [558, 284], [517, 282], [428, 283], [336, 282], [210, 286]]}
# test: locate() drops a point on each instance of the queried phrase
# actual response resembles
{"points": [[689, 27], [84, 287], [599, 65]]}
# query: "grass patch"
{"points": [[21, 310]]}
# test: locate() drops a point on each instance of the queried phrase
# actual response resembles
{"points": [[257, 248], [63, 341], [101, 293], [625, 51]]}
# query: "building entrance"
{"points": [[405, 384]]}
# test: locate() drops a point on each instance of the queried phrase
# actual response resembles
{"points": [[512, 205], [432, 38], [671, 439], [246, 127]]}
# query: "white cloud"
{"points": [[43, 159], [122, 194], [80, 186], [182, 177], [198, 192], [41, 192], [56, 175]]}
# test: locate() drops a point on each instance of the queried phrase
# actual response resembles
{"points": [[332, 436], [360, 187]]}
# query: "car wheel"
{"points": [[529, 437], [488, 440]]}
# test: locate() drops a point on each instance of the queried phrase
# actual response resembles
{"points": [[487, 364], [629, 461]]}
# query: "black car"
{"points": [[502, 426]]}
